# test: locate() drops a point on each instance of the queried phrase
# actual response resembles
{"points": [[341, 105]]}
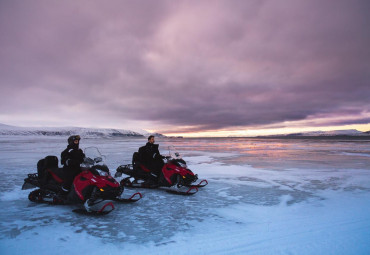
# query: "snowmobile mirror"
{"points": [[98, 159]]}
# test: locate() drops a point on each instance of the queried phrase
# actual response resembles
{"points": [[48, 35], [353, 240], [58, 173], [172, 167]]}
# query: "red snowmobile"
{"points": [[92, 187], [175, 176]]}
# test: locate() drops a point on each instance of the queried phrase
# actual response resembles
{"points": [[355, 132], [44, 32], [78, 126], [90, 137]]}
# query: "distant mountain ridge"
{"points": [[7, 130], [348, 132]]}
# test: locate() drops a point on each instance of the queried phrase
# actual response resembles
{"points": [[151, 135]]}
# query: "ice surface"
{"points": [[264, 197]]}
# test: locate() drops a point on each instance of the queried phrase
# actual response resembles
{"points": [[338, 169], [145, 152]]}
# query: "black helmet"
{"points": [[73, 138]]}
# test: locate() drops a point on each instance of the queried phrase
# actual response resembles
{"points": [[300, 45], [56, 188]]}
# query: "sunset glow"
{"points": [[184, 68]]}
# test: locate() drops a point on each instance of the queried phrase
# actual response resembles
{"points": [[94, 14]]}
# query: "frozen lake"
{"points": [[265, 196]]}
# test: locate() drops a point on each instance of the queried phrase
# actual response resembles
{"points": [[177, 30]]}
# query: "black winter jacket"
{"points": [[149, 153], [72, 157]]}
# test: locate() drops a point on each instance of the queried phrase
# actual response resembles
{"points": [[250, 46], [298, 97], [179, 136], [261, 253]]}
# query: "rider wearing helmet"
{"points": [[71, 158]]}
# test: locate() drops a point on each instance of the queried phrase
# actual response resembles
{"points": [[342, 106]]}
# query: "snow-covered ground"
{"points": [[264, 197]]}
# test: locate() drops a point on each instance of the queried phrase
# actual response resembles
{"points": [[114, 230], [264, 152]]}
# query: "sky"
{"points": [[191, 68]]}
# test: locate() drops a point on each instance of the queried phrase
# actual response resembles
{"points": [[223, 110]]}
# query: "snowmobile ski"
{"points": [[176, 189], [187, 192], [201, 184], [108, 207], [134, 198], [138, 184], [95, 207]]}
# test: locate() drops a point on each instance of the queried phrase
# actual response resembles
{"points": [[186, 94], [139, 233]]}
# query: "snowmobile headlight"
{"points": [[101, 190]]}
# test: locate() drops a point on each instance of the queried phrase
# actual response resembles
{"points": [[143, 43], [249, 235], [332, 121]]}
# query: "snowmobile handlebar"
{"points": [[89, 161]]}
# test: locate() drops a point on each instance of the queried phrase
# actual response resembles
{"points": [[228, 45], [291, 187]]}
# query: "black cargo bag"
{"points": [[44, 164]]}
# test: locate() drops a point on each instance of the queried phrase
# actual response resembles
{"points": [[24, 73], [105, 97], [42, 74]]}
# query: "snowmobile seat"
{"points": [[139, 170], [56, 174]]}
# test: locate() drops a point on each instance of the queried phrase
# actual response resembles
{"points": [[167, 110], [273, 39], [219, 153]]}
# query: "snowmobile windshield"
{"points": [[174, 153], [101, 172], [92, 157], [181, 163]]}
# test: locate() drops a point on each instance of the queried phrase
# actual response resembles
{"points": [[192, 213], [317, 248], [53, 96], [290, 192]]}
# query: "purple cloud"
{"points": [[203, 65]]}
